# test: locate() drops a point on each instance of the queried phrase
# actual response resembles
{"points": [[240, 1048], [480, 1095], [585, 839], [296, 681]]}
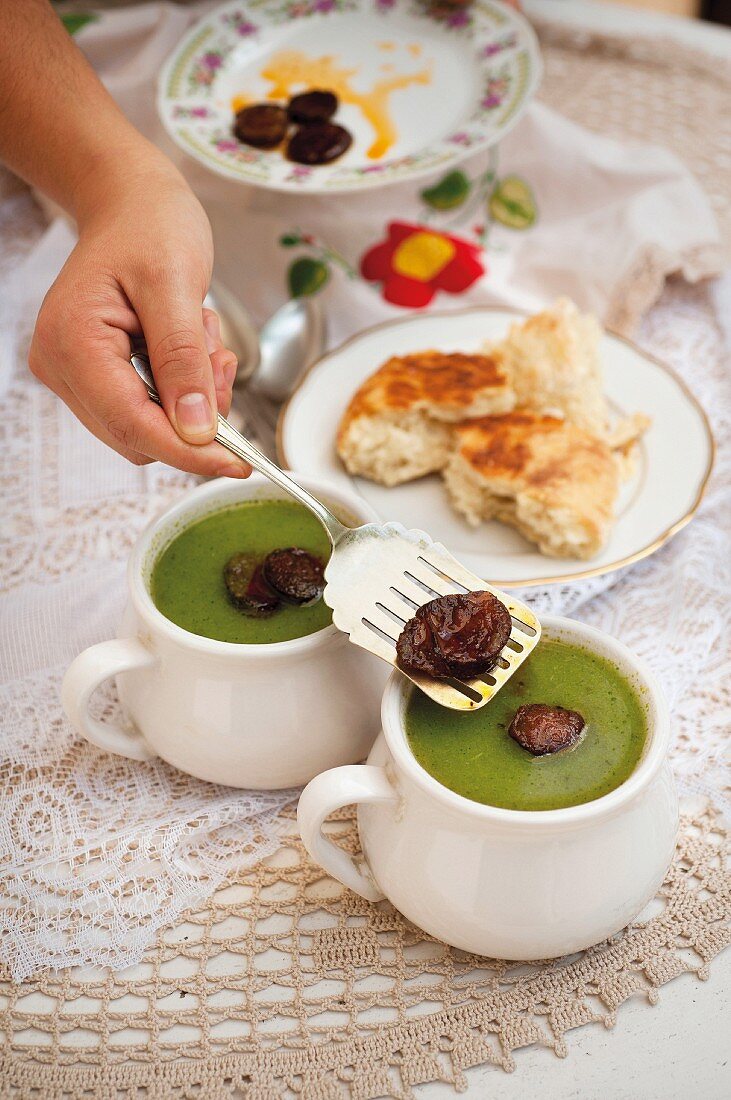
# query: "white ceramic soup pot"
{"points": [[258, 716], [505, 883]]}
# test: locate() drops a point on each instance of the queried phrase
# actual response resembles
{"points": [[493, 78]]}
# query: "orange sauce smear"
{"points": [[291, 70]]}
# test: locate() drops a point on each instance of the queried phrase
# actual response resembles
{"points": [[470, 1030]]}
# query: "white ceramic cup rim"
{"points": [[191, 502], [399, 688]]}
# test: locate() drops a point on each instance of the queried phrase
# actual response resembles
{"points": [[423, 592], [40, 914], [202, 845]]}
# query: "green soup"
{"points": [[474, 755], [187, 579]]}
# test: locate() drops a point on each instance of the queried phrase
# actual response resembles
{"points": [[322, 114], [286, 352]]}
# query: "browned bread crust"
{"points": [[397, 425], [556, 483]]}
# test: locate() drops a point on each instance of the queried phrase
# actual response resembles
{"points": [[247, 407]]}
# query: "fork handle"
{"points": [[235, 442], [228, 437]]}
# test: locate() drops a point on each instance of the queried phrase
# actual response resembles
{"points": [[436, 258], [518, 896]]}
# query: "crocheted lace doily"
{"points": [[275, 978]]}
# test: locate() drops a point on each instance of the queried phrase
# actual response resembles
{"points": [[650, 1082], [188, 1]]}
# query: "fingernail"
{"points": [[212, 331], [234, 470], [193, 414]]}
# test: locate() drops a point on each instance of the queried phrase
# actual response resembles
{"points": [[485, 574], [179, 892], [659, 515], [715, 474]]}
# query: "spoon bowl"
{"points": [[289, 341], [237, 330]]}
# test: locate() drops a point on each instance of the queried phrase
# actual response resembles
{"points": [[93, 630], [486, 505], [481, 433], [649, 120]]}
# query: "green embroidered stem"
{"points": [[308, 274]]}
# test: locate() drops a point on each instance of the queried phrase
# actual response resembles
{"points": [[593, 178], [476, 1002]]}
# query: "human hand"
{"points": [[142, 265]]}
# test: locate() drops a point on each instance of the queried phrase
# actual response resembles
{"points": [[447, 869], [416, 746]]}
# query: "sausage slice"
{"points": [[262, 125], [247, 587], [318, 143], [542, 729], [295, 574], [456, 635], [416, 649], [314, 106]]}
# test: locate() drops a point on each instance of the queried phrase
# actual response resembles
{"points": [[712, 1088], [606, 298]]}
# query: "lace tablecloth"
{"points": [[275, 979]]}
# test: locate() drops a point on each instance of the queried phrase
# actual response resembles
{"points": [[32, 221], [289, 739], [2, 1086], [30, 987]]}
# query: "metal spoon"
{"points": [[270, 363], [292, 338], [237, 330]]}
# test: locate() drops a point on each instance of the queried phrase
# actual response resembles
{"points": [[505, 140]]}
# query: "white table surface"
{"points": [[680, 1048]]}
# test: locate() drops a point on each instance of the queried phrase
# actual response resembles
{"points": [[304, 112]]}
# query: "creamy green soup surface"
{"points": [[187, 583], [473, 754]]}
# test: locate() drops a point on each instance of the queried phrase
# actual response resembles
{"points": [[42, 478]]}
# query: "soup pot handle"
{"points": [[328, 792], [90, 669]]}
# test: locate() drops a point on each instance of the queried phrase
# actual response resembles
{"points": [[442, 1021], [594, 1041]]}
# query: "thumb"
{"points": [[172, 322]]}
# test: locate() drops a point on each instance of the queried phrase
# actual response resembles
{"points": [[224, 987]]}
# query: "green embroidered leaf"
{"points": [[289, 240], [513, 203], [450, 191], [307, 276], [74, 23]]}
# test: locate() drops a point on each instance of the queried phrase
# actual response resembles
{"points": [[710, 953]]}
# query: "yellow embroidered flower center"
{"points": [[422, 256]]}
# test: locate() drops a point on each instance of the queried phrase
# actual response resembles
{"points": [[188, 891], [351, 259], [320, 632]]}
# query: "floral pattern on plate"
{"points": [[224, 55]]}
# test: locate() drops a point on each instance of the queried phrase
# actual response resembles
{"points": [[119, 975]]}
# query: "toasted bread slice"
{"points": [[556, 483], [623, 437], [553, 364], [398, 426]]}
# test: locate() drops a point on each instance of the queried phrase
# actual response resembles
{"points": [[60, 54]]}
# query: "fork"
{"points": [[379, 574]]}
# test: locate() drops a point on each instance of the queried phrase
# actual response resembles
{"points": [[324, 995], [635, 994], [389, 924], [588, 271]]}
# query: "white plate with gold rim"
{"points": [[417, 90], [674, 460]]}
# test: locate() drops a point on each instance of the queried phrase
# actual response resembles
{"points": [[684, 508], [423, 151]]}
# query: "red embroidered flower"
{"points": [[414, 262]]}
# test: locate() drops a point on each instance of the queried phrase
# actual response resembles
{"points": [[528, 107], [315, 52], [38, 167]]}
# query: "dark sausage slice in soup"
{"points": [[318, 143], [247, 587], [456, 635], [317, 105], [295, 574], [542, 729], [262, 125]]}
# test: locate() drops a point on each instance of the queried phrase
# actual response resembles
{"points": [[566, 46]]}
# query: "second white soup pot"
{"points": [[505, 883]]}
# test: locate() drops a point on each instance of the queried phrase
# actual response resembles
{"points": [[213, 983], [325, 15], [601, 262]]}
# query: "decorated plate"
{"points": [[417, 90], [660, 498]]}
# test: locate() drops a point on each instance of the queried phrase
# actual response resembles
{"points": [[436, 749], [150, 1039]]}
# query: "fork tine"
{"points": [[439, 560], [398, 619], [379, 641], [414, 585], [523, 627], [456, 584]]}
